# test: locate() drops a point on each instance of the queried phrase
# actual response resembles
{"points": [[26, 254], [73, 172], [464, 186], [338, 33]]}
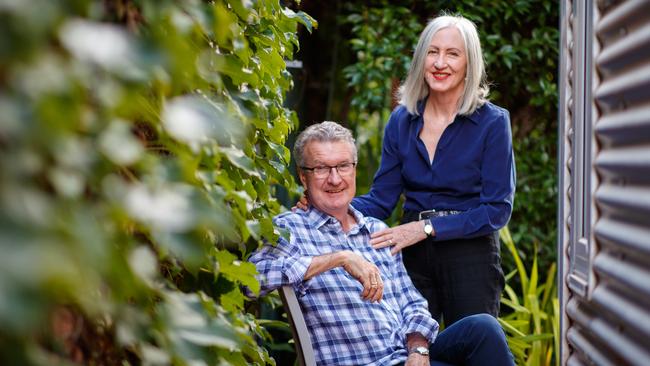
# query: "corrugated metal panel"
{"points": [[625, 163], [624, 127], [623, 236], [598, 340], [625, 308], [611, 324], [578, 111], [565, 139]]}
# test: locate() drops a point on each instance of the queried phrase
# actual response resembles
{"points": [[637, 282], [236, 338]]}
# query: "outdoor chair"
{"points": [[301, 337]]}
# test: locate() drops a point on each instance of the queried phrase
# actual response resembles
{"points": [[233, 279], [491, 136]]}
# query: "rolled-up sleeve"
{"points": [[279, 265]]}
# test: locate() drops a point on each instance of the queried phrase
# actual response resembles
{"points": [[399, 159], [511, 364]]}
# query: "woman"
{"points": [[449, 151]]}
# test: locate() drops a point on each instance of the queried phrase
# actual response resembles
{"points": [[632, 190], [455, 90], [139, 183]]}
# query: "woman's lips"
{"points": [[440, 76]]}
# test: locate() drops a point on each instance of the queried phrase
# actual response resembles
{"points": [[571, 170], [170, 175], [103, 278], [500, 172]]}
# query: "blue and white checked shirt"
{"points": [[345, 329]]}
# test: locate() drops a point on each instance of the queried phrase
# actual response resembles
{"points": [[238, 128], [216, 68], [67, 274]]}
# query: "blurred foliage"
{"points": [[533, 325], [383, 41], [139, 144], [519, 41]]}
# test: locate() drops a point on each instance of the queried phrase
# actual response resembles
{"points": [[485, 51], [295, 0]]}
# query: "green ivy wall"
{"points": [[139, 145]]}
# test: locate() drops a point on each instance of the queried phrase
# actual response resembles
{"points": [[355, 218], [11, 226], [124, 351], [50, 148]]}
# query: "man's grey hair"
{"points": [[327, 131], [476, 90]]}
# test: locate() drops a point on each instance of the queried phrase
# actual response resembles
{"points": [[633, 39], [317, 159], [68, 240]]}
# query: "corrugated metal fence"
{"points": [[605, 182]]}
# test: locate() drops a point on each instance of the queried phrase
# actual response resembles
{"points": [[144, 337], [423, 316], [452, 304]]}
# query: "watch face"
{"points": [[428, 228], [421, 350]]}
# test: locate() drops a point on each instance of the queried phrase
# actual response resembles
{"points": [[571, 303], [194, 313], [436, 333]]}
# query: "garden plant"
{"points": [[139, 145]]}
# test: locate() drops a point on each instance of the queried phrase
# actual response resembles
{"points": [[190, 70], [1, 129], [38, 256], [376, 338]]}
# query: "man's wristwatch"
{"points": [[428, 228], [421, 350]]}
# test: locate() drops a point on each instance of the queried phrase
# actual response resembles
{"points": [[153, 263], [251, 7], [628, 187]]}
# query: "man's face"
{"points": [[331, 193]]}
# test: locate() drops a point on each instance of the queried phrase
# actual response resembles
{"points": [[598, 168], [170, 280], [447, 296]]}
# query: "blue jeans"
{"points": [[476, 340]]}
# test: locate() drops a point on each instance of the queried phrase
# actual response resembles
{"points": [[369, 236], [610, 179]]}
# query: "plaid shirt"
{"points": [[345, 329]]}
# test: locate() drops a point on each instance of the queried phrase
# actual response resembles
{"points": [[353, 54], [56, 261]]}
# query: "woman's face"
{"points": [[445, 65]]}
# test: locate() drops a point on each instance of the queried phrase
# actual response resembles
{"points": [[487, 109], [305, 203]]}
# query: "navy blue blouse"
{"points": [[473, 171]]}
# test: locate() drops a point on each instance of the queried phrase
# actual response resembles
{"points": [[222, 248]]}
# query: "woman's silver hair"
{"points": [[476, 89], [322, 132]]}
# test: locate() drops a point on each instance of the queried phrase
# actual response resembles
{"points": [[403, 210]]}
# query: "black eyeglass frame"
{"points": [[329, 168]]}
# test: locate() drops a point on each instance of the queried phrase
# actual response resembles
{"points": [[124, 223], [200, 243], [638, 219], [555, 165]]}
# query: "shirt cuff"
{"points": [[425, 326], [446, 228], [295, 273]]}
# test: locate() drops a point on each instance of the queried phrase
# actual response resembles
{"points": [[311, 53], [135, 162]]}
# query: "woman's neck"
{"points": [[442, 107]]}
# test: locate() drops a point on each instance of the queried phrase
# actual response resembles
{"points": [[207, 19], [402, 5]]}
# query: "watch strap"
{"points": [[421, 350]]}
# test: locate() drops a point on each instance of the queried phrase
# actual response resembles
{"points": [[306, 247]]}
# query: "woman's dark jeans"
{"points": [[457, 277]]}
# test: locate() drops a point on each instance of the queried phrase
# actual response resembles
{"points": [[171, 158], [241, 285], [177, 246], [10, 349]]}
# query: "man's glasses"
{"points": [[325, 170]]}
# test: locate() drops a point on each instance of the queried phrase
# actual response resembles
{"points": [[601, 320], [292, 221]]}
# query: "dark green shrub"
{"points": [[520, 42]]}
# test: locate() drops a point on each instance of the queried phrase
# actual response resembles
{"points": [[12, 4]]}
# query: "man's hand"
{"points": [[366, 273], [399, 237], [416, 359], [359, 268]]}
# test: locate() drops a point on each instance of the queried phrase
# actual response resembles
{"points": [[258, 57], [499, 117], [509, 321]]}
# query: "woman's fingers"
{"points": [[381, 239], [380, 233], [396, 249], [303, 204], [399, 237], [383, 245]]}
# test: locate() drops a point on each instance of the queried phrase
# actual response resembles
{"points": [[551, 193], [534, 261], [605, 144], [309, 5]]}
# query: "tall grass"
{"points": [[531, 321]]}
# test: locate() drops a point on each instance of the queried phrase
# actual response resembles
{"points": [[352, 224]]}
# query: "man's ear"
{"points": [[303, 178]]}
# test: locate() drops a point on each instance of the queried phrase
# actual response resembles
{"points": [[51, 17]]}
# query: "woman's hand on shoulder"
{"points": [[303, 203]]}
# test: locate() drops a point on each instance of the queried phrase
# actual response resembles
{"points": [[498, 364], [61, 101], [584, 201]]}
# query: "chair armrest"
{"points": [[301, 337]]}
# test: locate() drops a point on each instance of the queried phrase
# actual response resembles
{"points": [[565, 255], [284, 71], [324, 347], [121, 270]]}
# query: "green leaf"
{"points": [[191, 323], [119, 144], [244, 10], [278, 324], [240, 160], [514, 306], [232, 301], [237, 271], [508, 327], [233, 67], [301, 17]]}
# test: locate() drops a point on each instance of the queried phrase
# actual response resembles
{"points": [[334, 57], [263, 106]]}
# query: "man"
{"points": [[359, 304]]}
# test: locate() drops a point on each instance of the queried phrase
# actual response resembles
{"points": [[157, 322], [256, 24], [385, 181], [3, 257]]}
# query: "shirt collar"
{"points": [[318, 218], [474, 117], [477, 115]]}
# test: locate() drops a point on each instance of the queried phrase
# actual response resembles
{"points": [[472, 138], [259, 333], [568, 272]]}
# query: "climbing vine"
{"points": [[140, 142]]}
